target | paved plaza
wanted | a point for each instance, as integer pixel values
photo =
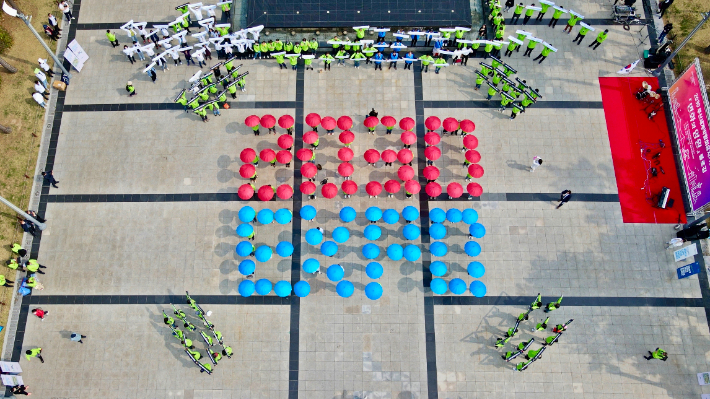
(147, 209)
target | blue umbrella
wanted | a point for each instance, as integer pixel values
(411, 232)
(476, 269)
(438, 286)
(395, 252)
(302, 289)
(437, 215)
(247, 267)
(478, 289)
(390, 216)
(341, 234)
(477, 230)
(282, 288)
(314, 236)
(438, 248)
(437, 231)
(373, 291)
(373, 232)
(246, 288)
(263, 253)
(373, 213)
(345, 289)
(244, 248)
(412, 252)
(284, 248)
(410, 213)
(347, 214)
(265, 216)
(283, 216)
(263, 286)
(308, 212)
(472, 248)
(335, 273)
(374, 270)
(370, 251)
(457, 286)
(454, 215)
(470, 216)
(437, 268)
(311, 265)
(245, 230)
(329, 248)
(246, 214)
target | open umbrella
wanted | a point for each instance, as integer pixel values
(478, 289)
(282, 288)
(454, 215)
(432, 153)
(341, 234)
(405, 156)
(477, 230)
(374, 270)
(457, 286)
(432, 123)
(412, 187)
(329, 190)
(472, 248)
(263, 253)
(432, 138)
(301, 289)
(470, 216)
(474, 189)
(411, 232)
(347, 214)
(246, 214)
(475, 170)
(370, 251)
(389, 156)
(246, 191)
(245, 230)
(284, 157)
(349, 187)
(405, 173)
(304, 154)
(285, 141)
(308, 212)
(372, 232)
(470, 141)
(373, 214)
(476, 269)
(311, 265)
(284, 191)
(328, 123)
(392, 186)
(371, 122)
(412, 253)
(410, 213)
(390, 216)
(252, 120)
(373, 188)
(246, 288)
(263, 286)
(467, 126)
(308, 170)
(267, 155)
(373, 291)
(473, 156)
(437, 231)
(438, 286)
(408, 137)
(308, 187)
(437, 215)
(406, 123)
(395, 252)
(345, 154)
(451, 124)
(284, 249)
(268, 121)
(388, 121)
(335, 273)
(265, 193)
(286, 121)
(283, 216)
(345, 122)
(431, 172)
(345, 289)
(313, 120)
(454, 190)
(437, 268)
(248, 155)
(310, 137)
(438, 248)
(346, 169)
(244, 248)
(247, 170)
(265, 216)
(433, 189)
(346, 137)
(314, 237)
(329, 248)
(372, 156)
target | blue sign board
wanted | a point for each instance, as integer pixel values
(688, 270)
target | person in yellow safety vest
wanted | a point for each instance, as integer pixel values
(226, 11)
(232, 90)
(242, 84)
(601, 37)
(308, 62)
(111, 38)
(183, 101)
(294, 62)
(426, 59)
(202, 113)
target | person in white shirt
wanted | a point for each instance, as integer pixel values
(198, 55)
(53, 21)
(176, 56)
(40, 100)
(43, 64)
(40, 89)
(129, 53)
(64, 7)
(537, 161)
(674, 242)
(42, 77)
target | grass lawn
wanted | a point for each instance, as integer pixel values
(685, 15)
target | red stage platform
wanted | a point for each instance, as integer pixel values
(634, 141)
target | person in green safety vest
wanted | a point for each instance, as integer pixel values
(204, 95)
(207, 366)
(308, 63)
(288, 47)
(34, 267)
(498, 47)
(242, 83)
(232, 88)
(214, 107)
(601, 37)
(549, 340)
(542, 12)
(4, 282)
(194, 102)
(545, 52)
(227, 351)
(537, 303)
(297, 48)
(35, 352)
(500, 32)
(202, 113)
(294, 62)
(183, 9)
(222, 97)
(512, 46)
(492, 91)
(189, 326)
(340, 57)
(497, 20)
(531, 46)
(182, 100)
(555, 18)
(130, 89)
(517, 13)
(528, 14)
(212, 88)
(500, 342)
(526, 102)
(335, 46)
(327, 59)
(271, 47)
(553, 305)
(516, 111)
(459, 35)
(264, 49)
(532, 353)
(659, 354)
(347, 46)
(573, 19)
(581, 34)
(186, 23)
(355, 57)
(278, 45)
(488, 49)
(479, 81)
(177, 333)
(314, 46)
(226, 11)
(360, 33)
(524, 344)
(280, 60)
(497, 77)
(447, 38)
(369, 51)
(111, 38)
(542, 326)
(439, 61)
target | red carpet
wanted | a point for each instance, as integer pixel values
(630, 130)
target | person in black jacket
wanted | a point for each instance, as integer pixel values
(663, 6)
(565, 196)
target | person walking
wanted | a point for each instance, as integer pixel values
(39, 312)
(35, 352)
(20, 390)
(528, 14)
(151, 72)
(542, 326)
(565, 196)
(659, 354)
(111, 38)
(601, 37)
(663, 7)
(64, 7)
(581, 34)
(536, 162)
(130, 89)
(76, 337)
(553, 305)
(517, 13)
(49, 178)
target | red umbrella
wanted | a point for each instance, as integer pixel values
(284, 191)
(349, 187)
(432, 123)
(432, 138)
(371, 122)
(392, 186)
(304, 154)
(451, 124)
(405, 155)
(252, 120)
(346, 137)
(313, 120)
(310, 137)
(345, 154)
(406, 124)
(266, 193)
(454, 190)
(345, 122)
(247, 170)
(346, 169)
(284, 157)
(373, 188)
(388, 121)
(308, 187)
(246, 191)
(473, 156)
(286, 121)
(405, 173)
(389, 156)
(268, 121)
(412, 186)
(248, 155)
(408, 137)
(470, 141)
(475, 170)
(372, 155)
(328, 123)
(267, 155)
(308, 170)
(432, 153)
(329, 190)
(285, 141)
(431, 172)
(467, 126)
(474, 189)
(433, 189)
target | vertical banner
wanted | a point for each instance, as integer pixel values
(689, 106)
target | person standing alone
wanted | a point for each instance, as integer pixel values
(536, 162)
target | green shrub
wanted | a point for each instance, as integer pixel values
(5, 40)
